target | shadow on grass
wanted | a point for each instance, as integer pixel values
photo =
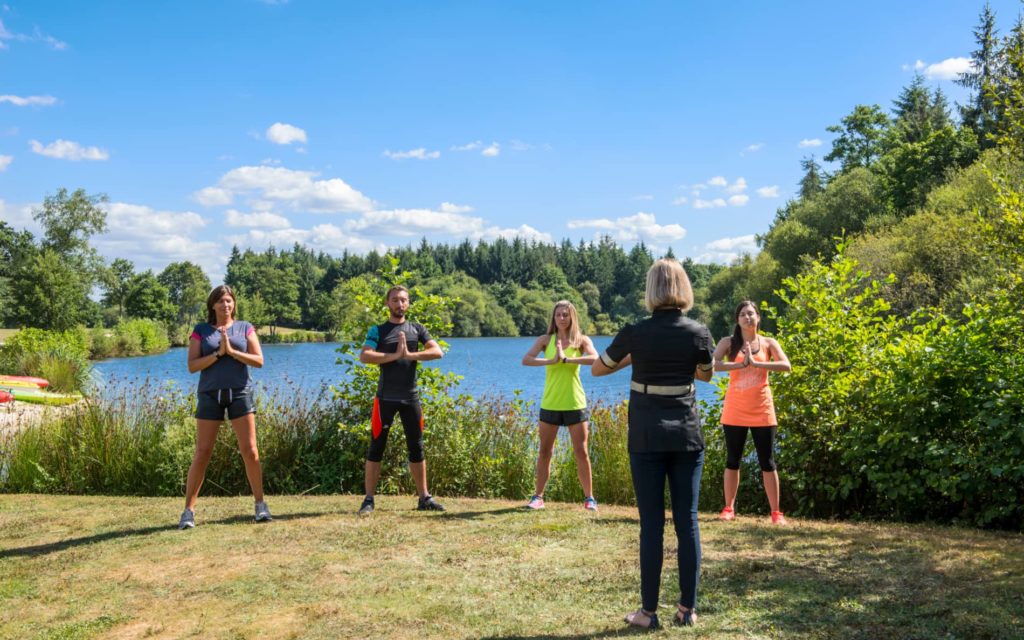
(54, 547)
(473, 515)
(619, 632)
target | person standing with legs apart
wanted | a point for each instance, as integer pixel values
(564, 402)
(222, 349)
(748, 404)
(394, 346)
(668, 351)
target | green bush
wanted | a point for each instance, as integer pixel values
(59, 356)
(135, 337)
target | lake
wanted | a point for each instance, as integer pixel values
(489, 366)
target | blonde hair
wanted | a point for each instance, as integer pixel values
(668, 286)
(575, 335)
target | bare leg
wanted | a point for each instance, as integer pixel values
(418, 470)
(548, 433)
(732, 485)
(372, 476)
(771, 488)
(206, 437)
(245, 431)
(578, 434)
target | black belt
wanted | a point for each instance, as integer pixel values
(662, 389)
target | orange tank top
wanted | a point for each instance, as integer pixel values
(748, 399)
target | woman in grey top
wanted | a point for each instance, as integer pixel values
(222, 349)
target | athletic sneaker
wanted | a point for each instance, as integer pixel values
(188, 519)
(778, 518)
(589, 503)
(427, 503)
(263, 512)
(367, 506)
(536, 502)
(727, 514)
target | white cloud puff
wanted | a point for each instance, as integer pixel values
(472, 146)
(414, 222)
(639, 227)
(524, 231)
(809, 142)
(737, 187)
(725, 250)
(752, 148)
(948, 69)
(419, 154)
(5, 161)
(717, 181)
(298, 190)
(769, 192)
(213, 197)
(681, 200)
(281, 133)
(263, 219)
(739, 200)
(492, 150)
(709, 204)
(68, 150)
(152, 238)
(29, 101)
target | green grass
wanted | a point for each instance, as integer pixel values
(90, 567)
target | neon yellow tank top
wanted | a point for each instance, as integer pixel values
(563, 390)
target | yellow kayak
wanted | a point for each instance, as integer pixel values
(38, 396)
(24, 381)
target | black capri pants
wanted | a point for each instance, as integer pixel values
(380, 425)
(764, 442)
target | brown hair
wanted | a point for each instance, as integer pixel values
(397, 287)
(737, 333)
(214, 297)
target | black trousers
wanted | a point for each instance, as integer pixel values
(682, 469)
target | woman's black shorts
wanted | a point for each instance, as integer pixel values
(564, 418)
(212, 405)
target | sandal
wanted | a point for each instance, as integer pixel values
(641, 618)
(685, 617)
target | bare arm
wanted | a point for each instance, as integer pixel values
(432, 351)
(724, 345)
(779, 361)
(531, 359)
(197, 362)
(370, 356)
(589, 353)
(253, 354)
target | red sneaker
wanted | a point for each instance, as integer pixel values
(778, 518)
(727, 514)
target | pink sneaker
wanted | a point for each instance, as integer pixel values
(536, 502)
(778, 518)
(727, 514)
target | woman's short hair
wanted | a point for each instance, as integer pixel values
(215, 295)
(668, 286)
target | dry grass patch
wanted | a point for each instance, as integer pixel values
(94, 567)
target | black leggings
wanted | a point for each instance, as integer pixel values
(764, 442)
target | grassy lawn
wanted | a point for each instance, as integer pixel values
(97, 567)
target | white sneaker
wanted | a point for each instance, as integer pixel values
(263, 512)
(188, 519)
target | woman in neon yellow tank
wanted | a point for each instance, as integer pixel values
(564, 349)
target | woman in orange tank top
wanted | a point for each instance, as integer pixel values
(748, 404)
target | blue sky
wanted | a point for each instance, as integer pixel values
(366, 125)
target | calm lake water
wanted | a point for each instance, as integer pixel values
(489, 366)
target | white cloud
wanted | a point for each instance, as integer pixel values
(5, 161)
(524, 231)
(260, 219)
(809, 142)
(708, 204)
(267, 187)
(917, 66)
(948, 69)
(37, 36)
(725, 250)
(34, 101)
(492, 150)
(19, 216)
(281, 133)
(472, 146)
(644, 196)
(717, 181)
(213, 197)
(737, 187)
(680, 200)
(414, 222)
(68, 150)
(739, 201)
(152, 238)
(769, 192)
(639, 227)
(448, 207)
(419, 154)
(752, 148)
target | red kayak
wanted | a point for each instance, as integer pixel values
(25, 381)
(5, 397)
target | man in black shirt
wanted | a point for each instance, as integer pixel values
(394, 346)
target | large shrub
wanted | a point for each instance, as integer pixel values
(59, 356)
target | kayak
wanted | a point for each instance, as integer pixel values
(38, 396)
(5, 397)
(24, 381)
